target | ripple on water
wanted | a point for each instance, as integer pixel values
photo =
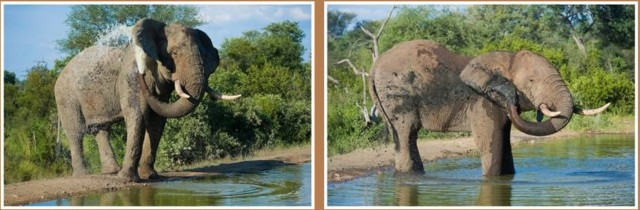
(596, 170)
(281, 186)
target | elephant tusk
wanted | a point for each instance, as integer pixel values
(179, 90)
(219, 95)
(545, 110)
(590, 111)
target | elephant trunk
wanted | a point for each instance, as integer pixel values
(194, 85)
(559, 101)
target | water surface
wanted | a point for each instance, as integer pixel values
(586, 171)
(288, 185)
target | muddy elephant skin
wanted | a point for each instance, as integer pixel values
(422, 85)
(103, 85)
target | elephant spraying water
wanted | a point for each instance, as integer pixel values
(422, 85)
(104, 84)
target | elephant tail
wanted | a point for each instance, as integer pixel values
(388, 127)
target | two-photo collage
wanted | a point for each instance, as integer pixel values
(319, 105)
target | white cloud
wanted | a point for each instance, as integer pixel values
(299, 14)
(230, 14)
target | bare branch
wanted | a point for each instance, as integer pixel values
(365, 114)
(375, 53)
(385, 22)
(333, 80)
(374, 38)
(355, 70)
(367, 32)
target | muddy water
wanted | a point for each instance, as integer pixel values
(586, 171)
(281, 186)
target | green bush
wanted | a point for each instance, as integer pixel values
(218, 129)
(600, 87)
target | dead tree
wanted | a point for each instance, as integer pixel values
(370, 114)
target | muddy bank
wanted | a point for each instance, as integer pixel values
(42, 190)
(366, 161)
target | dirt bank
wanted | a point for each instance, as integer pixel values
(366, 161)
(42, 190)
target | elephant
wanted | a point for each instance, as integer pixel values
(103, 85)
(420, 84)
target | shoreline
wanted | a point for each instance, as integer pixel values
(341, 168)
(24, 193)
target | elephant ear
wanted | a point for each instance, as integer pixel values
(210, 53)
(147, 36)
(489, 76)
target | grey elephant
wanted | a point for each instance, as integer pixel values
(103, 85)
(422, 85)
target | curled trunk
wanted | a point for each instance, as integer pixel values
(561, 101)
(195, 87)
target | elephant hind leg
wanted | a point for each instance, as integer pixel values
(405, 134)
(76, 147)
(155, 127)
(107, 157)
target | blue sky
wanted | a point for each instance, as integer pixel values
(379, 11)
(364, 12)
(31, 31)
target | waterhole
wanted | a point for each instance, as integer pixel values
(597, 170)
(288, 185)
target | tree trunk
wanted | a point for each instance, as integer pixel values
(580, 44)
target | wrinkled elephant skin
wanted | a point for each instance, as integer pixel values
(100, 86)
(422, 85)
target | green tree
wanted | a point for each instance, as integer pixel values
(615, 24)
(31, 123)
(87, 22)
(338, 22)
(269, 61)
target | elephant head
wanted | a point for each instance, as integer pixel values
(524, 81)
(183, 55)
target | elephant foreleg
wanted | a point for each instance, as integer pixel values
(133, 149)
(155, 127)
(107, 157)
(491, 130)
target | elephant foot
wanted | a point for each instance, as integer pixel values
(110, 169)
(148, 173)
(408, 174)
(80, 172)
(129, 175)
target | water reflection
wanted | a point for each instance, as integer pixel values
(406, 194)
(495, 191)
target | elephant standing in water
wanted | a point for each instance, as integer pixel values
(420, 84)
(103, 85)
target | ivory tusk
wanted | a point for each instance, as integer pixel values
(545, 110)
(219, 95)
(591, 111)
(179, 90)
